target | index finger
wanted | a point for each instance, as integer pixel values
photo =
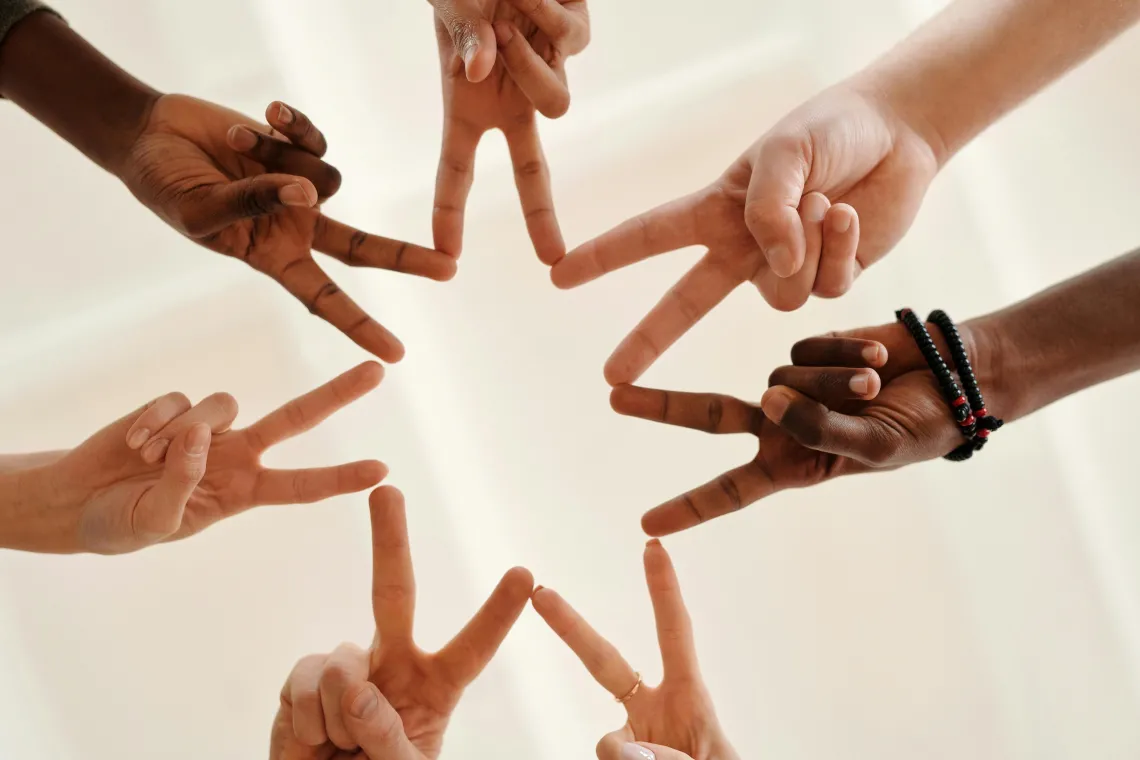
(695, 295)
(674, 627)
(311, 286)
(393, 580)
(600, 657)
(359, 249)
(661, 230)
(558, 23)
(731, 492)
(313, 408)
(532, 178)
(709, 412)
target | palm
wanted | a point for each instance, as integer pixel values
(677, 714)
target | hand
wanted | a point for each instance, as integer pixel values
(194, 470)
(252, 192)
(394, 701)
(483, 90)
(826, 192)
(670, 721)
(824, 416)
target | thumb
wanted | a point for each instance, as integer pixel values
(158, 514)
(375, 725)
(472, 35)
(229, 203)
(780, 169)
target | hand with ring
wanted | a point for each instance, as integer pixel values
(671, 721)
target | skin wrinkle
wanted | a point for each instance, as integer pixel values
(329, 289)
(354, 245)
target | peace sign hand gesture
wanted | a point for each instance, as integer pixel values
(252, 191)
(488, 86)
(394, 701)
(673, 720)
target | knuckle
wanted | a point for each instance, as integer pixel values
(529, 169)
(225, 403)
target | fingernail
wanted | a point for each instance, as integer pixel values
(138, 438)
(775, 406)
(284, 115)
(154, 450)
(633, 751)
(842, 223)
(537, 588)
(364, 704)
(860, 384)
(242, 138)
(780, 259)
(504, 33)
(815, 207)
(296, 195)
(198, 439)
(875, 355)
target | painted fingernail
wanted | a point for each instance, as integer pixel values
(242, 138)
(364, 704)
(841, 223)
(197, 440)
(154, 450)
(780, 259)
(138, 438)
(875, 355)
(775, 406)
(296, 195)
(284, 115)
(860, 384)
(633, 751)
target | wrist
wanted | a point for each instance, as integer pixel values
(34, 513)
(65, 83)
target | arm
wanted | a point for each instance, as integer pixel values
(10, 463)
(1077, 334)
(65, 83)
(979, 59)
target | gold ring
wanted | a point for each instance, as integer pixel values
(632, 692)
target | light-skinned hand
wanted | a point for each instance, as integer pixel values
(673, 720)
(394, 701)
(501, 62)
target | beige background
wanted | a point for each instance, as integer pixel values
(886, 617)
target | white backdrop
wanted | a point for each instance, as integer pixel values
(880, 617)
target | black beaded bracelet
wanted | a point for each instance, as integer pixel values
(974, 429)
(986, 423)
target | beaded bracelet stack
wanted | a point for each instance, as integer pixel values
(969, 407)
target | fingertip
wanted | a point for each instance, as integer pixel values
(618, 371)
(876, 355)
(198, 439)
(360, 702)
(775, 403)
(481, 53)
(521, 579)
(371, 473)
(371, 374)
(241, 138)
(385, 496)
(841, 217)
(562, 274)
(655, 523)
(300, 193)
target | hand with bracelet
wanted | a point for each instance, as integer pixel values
(170, 470)
(237, 187)
(866, 400)
(394, 701)
(503, 86)
(671, 721)
(832, 188)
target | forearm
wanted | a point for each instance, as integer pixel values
(1075, 335)
(10, 463)
(29, 521)
(61, 80)
(979, 59)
